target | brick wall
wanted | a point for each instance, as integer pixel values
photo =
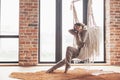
(28, 32)
(115, 32)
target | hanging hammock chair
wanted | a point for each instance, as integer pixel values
(91, 47)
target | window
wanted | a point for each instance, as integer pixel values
(98, 11)
(9, 30)
(56, 19)
(50, 30)
(47, 30)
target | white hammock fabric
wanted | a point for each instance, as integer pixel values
(91, 40)
(91, 44)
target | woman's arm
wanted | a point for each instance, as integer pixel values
(72, 31)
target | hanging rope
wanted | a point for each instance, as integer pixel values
(90, 16)
(75, 17)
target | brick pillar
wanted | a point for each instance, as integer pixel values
(115, 32)
(28, 32)
(107, 30)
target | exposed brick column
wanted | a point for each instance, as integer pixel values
(28, 32)
(115, 32)
(107, 30)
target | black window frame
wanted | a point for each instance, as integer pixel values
(7, 36)
(58, 51)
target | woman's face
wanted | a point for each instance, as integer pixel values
(78, 28)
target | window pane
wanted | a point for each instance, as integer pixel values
(47, 30)
(8, 49)
(98, 11)
(9, 17)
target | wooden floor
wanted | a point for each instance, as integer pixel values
(5, 71)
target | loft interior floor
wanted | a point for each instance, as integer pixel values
(5, 71)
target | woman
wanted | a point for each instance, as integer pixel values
(72, 52)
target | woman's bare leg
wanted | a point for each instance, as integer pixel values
(70, 54)
(59, 64)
